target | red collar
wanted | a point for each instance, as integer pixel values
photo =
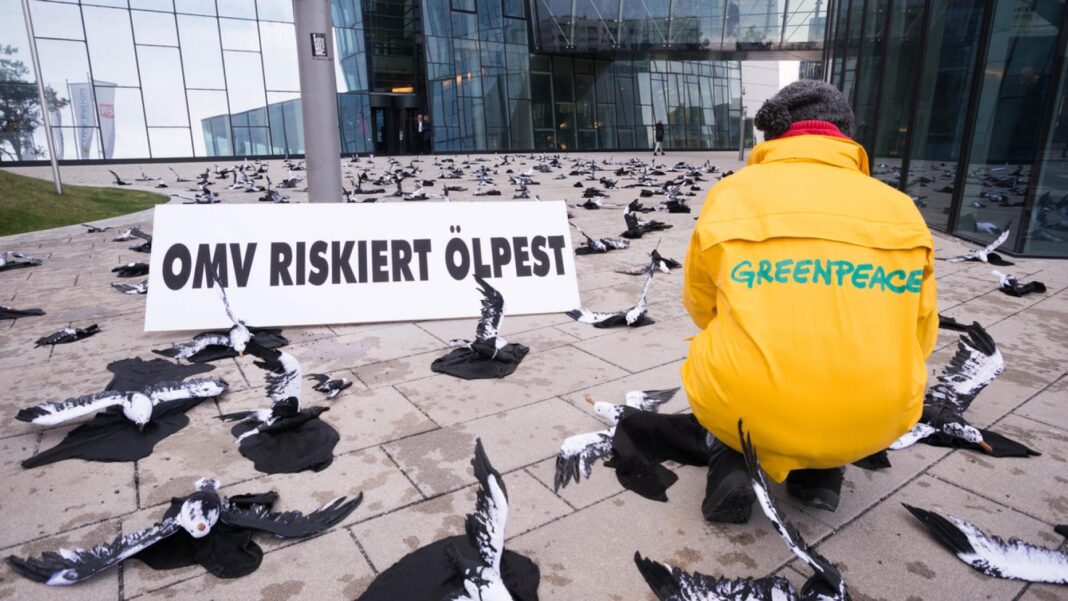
(815, 128)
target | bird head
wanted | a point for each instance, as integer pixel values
(240, 337)
(967, 433)
(606, 412)
(199, 512)
(138, 409)
(634, 315)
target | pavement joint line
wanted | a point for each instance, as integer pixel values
(419, 326)
(404, 472)
(414, 404)
(555, 494)
(991, 500)
(366, 557)
(584, 351)
(137, 484)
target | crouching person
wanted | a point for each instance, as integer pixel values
(813, 285)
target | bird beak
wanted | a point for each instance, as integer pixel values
(986, 447)
(589, 399)
(140, 427)
(201, 527)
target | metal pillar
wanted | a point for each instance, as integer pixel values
(741, 135)
(318, 99)
(45, 117)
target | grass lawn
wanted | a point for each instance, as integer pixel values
(28, 204)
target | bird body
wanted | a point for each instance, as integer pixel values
(331, 387)
(11, 258)
(488, 341)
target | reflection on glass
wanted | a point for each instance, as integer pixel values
(203, 106)
(201, 53)
(126, 130)
(195, 7)
(166, 5)
(902, 57)
(1047, 233)
(161, 84)
(238, 34)
(73, 143)
(169, 142)
(14, 50)
(280, 56)
(54, 20)
(244, 9)
(1007, 130)
(277, 10)
(154, 28)
(63, 62)
(111, 47)
(244, 82)
(21, 126)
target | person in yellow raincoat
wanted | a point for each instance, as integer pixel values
(813, 285)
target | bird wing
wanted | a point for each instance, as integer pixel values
(115, 175)
(290, 524)
(485, 527)
(200, 388)
(645, 290)
(492, 311)
(578, 454)
(185, 350)
(587, 316)
(976, 364)
(137, 233)
(989, 248)
(70, 566)
(916, 434)
(225, 299)
(320, 379)
(670, 583)
(283, 376)
(649, 400)
(1012, 559)
(638, 271)
(789, 533)
(50, 414)
(616, 243)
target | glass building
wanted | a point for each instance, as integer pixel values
(141, 79)
(961, 104)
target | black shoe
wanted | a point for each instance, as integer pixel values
(729, 492)
(818, 488)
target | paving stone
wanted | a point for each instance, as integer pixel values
(1050, 406)
(365, 418)
(1037, 486)
(601, 484)
(388, 538)
(614, 391)
(637, 349)
(448, 400)
(439, 461)
(353, 350)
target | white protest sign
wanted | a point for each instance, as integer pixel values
(287, 265)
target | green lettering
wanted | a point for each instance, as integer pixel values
(822, 268)
(764, 272)
(801, 271)
(860, 275)
(915, 281)
(900, 273)
(879, 277)
(782, 271)
(844, 268)
(742, 274)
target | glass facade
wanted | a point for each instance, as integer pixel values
(138, 79)
(961, 104)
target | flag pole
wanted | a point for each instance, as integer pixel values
(45, 117)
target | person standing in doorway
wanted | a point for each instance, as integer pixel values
(426, 135)
(658, 133)
(420, 125)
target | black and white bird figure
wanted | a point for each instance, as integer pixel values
(1011, 285)
(289, 181)
(67, 335)
(990, 555)
(578, 453)
(331, 387)
(972, 368)
(177, 178)
(11, 259)
(131, 233)
(488, 340)
(118, 180)
(656, 263)
(95, 229)
(482, 579)
(670, 583)
(135, 288)
(131, 270)
(638, 227)
(200, 512)
(599, 245)
(136, 405)
(237, 338)
(634, 317)
(283, 376)
(986, 254)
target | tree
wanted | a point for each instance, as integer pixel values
(20, 108)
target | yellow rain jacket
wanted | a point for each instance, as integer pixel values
(814, 286)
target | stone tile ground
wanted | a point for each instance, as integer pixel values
(407, 436)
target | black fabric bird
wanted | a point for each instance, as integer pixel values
(15, 260)
(635, 317)
(135, 288)
(131, 270)
(975, 365)
(636, 227)
(331, 387)
(656, 262)
(67, 335)
(992, 556)
(13, 313)
(986, 254)
(118, 180)
(489, 355)
(95, 229)
(598, 245)
(191, 524)
(475, 567)
(1010, 285)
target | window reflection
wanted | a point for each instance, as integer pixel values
(161, 84)
(280, 56)
(126, 131)
(55, 20)
(201, 52)
(277, 10)
(166, 5)
(111, 46)
(169, 142)
(210, 119)
(239, 34)
(154, 28)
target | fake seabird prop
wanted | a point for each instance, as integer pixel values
(489, 355)
(672, 584)
(635, 317)
(135, 288)
(975, 365)
(990, 555)
(285, 438)
(67, 335)
(131, 270)
(598, 245)
(118, 432)
(656, 263)
(14, 260)
(13, 313)
(986, 254)
(331, 387)
(638, 227)
(475, 567)
(202, 528)
(1010, 285)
